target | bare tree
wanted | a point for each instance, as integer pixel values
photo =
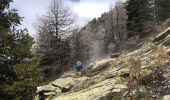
(43, 36)
(117, 24)
(53, 31)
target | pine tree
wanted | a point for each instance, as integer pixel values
(15, 48)
(162, 9)
(139, 14)
(8, 19)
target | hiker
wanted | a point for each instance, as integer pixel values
(78, 65)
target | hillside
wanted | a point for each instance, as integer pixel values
(143, 73)
(93, 41)
(122, 53)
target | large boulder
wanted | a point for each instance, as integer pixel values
(96, 67)
(124, 72)
(166, 97)
(137, 53)
(101, 91)
(59, 86)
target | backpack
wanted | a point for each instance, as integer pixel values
(78, 63)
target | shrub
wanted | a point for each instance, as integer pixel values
(29, 78)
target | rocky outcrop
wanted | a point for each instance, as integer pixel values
(117, 72)
(96, 67)
(100, 91)
(59, 86)
(162, 35)
(166, 97)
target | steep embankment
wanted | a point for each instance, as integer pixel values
(143, 73)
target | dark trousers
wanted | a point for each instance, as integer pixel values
(78, 68)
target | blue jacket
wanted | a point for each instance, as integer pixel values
(78, 63)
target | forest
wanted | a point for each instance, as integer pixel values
(27, 62)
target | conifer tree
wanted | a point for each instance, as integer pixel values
(162, 9)
(8, 19)
(15, 48)
(139, 14)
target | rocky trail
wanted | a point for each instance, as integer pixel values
(143, 74)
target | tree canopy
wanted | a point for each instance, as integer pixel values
(15, 46)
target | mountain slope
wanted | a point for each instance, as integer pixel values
(143, 73)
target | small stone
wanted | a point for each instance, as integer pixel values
(120, 86)
(45, 88)
(125, 93)
(115, 55)
(49, 93)
(124, 72)
(155, 96)
(116, 90)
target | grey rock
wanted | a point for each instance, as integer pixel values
(96, 67)
(114, 73)
(120, 86)
(145, 63)
(49, 93)
(116, 90)
(47, 88)
(124, 72)
(115, 55)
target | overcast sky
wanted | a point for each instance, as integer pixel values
(84, 9)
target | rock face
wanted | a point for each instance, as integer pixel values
(141, 74)
(100, 91)
(59, 86)
(96, 67)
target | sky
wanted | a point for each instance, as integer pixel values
(83, 9)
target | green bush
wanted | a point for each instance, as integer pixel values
(29, 77)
